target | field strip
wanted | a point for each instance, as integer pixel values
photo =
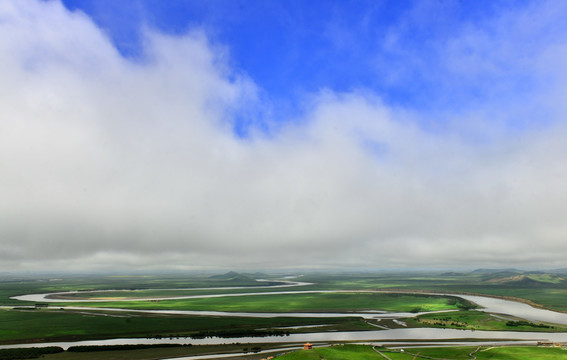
(487, 304)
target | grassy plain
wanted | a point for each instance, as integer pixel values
(21, 285)
(172, 352)
(482, 353)
(478, 320)
(521, 353)
(69, 325)
(360, 352)
(336, 352)
(548, 290)
(316, 302)
(543, 289)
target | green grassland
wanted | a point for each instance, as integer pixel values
(453, 353)
(482, 353)
(360, 352)
(156, 353)
(477, 320)
(336, 352)
(13, 286)
(151, 293)
(521, 353)
(145, 354)
(543, 289)
(316, 302)
(546, 289)
(68, 325)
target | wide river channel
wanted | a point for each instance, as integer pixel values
(507, 308)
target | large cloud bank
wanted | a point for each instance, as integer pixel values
(108, 163)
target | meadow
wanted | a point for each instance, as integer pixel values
(156, 352)
(328, 352)
(546, 290)
(22, 326)
(21, 322)
(366, 352)
(477, 320)
(316, 302)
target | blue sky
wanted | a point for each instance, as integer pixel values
(395, 49)
(180, 135)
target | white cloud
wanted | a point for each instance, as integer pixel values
(108, 163)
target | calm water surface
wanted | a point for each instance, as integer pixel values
(370, 336)
(488, 304)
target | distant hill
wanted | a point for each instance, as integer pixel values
(227, 276)
(234, 278)
(558, 271)
(529, 279)
(492, 271)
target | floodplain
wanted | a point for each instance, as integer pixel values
(226, 306)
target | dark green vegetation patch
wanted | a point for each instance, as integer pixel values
(477, 320)
(316, 302)
(28, 353)
(69, 325)
(91, 348)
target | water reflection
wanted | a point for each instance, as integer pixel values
(488, 304)
(517, 309)
(415, 334)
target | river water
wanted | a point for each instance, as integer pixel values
(339, 336)
(487, 304)
(516, 309)
(491, 305)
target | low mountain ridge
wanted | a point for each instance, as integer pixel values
(234, 278)
(530, 279)
(226, 276)
(493, 271)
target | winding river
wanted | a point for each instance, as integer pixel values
(378, 336)
(488, 304)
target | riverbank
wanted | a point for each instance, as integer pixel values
(142, 322)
